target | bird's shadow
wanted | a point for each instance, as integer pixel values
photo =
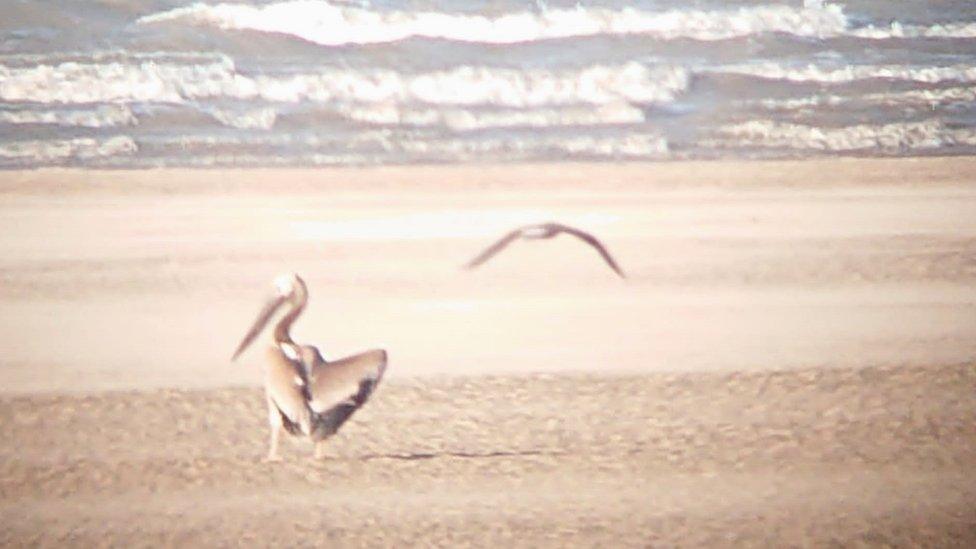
(418, 456)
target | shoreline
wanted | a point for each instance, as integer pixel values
(947, 170)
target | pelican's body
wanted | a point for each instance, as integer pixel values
(544, 231)
(306, 394)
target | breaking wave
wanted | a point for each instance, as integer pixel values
(385, 142)
(250, 119)
(373, 140)
(645, 146)
(895, 137)
(465, 120)
(918, 98)
(851, 73)
(929, 98)
(898, 30)
(129, 80)
(102, 116)
(157, 81)
(14, 60)
(328, 24)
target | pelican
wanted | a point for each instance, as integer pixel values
(540, 232)
(308, 395)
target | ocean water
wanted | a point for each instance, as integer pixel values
(144, 83)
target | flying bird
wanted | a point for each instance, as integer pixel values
(306, 394)
(544, 231)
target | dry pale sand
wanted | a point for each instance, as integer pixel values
(792, 360)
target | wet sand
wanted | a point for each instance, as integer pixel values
(790, 361)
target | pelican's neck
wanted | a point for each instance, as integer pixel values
(282, 331)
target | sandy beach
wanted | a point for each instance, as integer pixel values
(791, 360)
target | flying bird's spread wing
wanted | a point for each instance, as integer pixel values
(493, 249)
(592, 241)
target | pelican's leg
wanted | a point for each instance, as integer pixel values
(320, 449)
(274, 421)
(273, 445)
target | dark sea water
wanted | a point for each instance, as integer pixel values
(139, 83)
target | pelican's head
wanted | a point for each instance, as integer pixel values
(288, 288)
(539, 232)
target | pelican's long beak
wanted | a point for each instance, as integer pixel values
(260, 322)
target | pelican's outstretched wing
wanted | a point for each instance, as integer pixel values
(338, 388)
(494, 249)
(592, 241)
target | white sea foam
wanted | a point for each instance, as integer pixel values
(797, 103)
(247, 159)
(898, 30)
(44, 151)
(467, 85)
(101, 116)
(109, 56)
(930, 98)
(635, 145)
(627, 146)
(374, 140)
(151, 81)
(851, 73)
(116, 81)
(465, 119)
(260, 119)
(895, 137)
(386, 142)
(330, 24)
